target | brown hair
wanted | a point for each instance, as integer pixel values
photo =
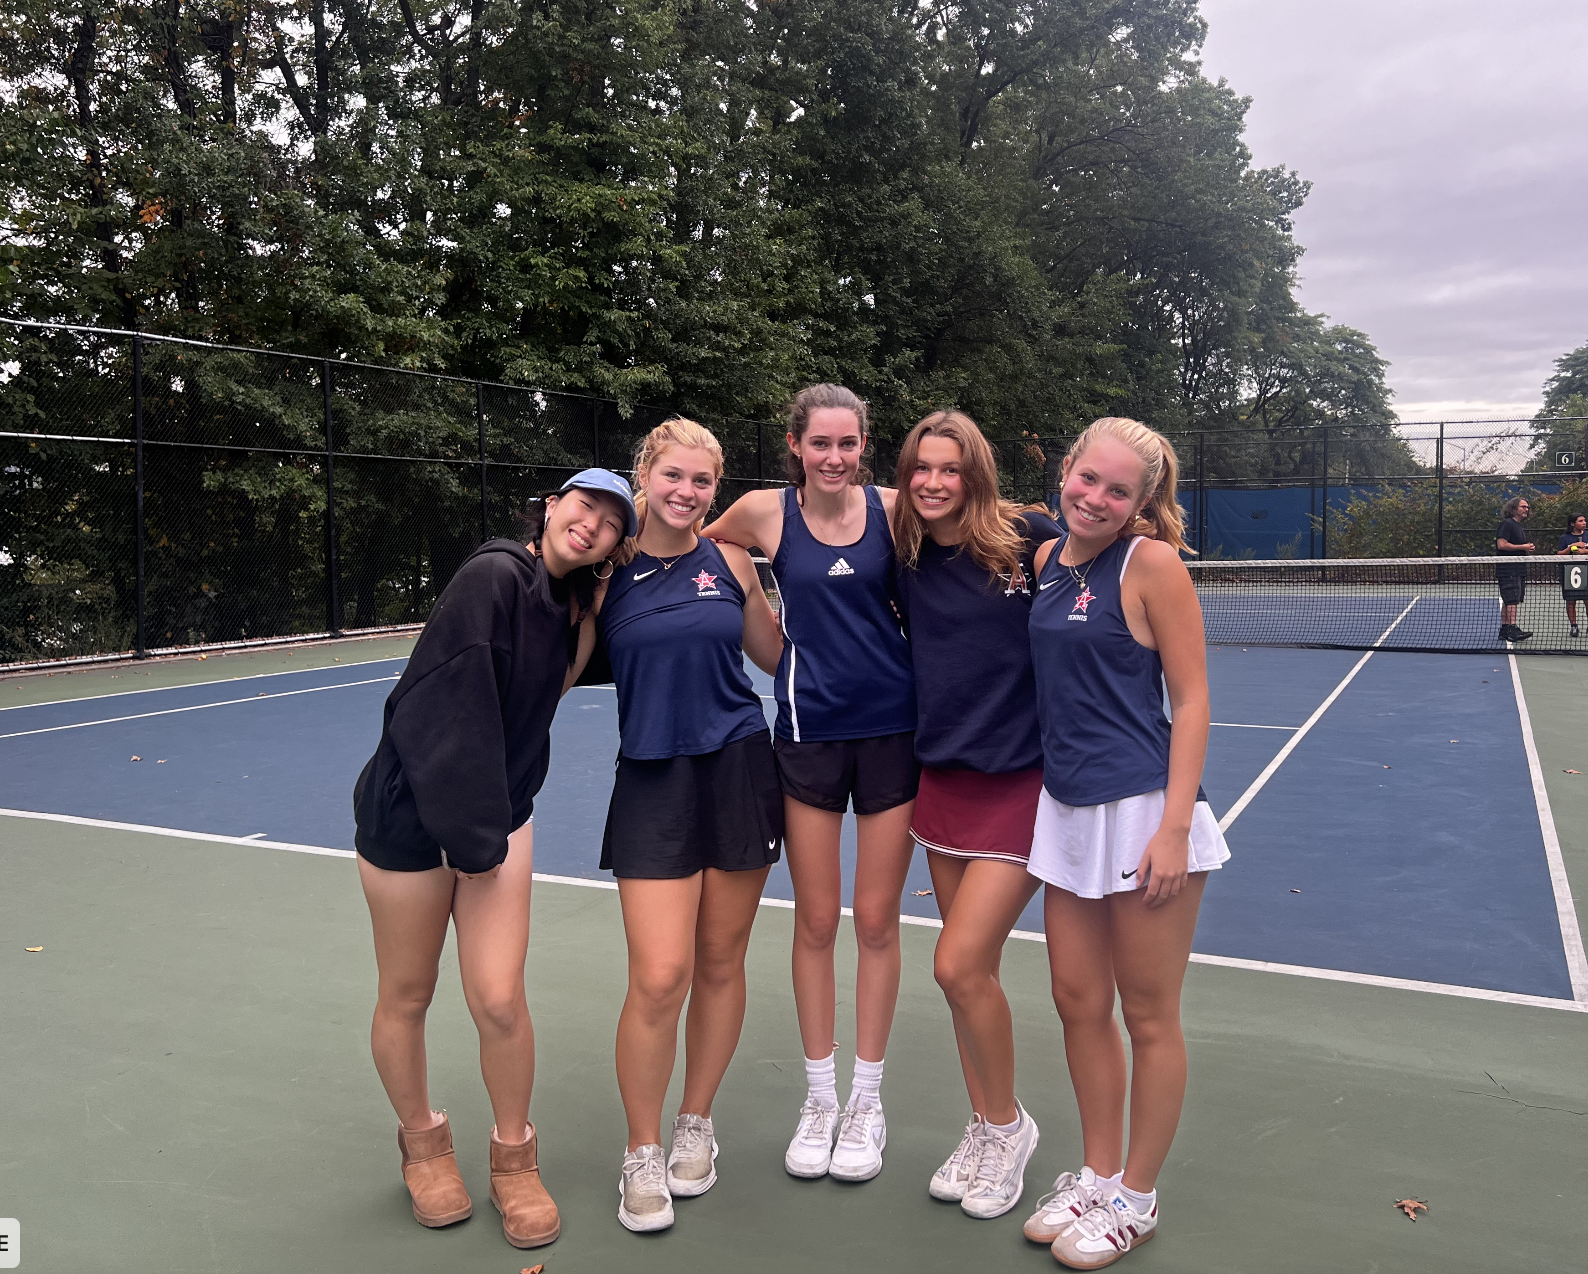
(1160, 515)
(814, 398)
(987, 521)
(1513, 506)
(675, 431)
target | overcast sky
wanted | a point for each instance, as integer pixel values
(1447, 146)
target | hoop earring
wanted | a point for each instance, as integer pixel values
(611, 568)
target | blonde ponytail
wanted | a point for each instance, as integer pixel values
(1160, 515)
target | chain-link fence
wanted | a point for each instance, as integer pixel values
(161, 493)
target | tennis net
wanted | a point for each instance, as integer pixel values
(1450, 604)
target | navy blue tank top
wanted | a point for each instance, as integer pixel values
(675, 636)
(845, 671)
(1099, 690)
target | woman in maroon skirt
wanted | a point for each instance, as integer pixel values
(965, 580)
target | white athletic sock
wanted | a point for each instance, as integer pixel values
(867, 1088)
(1141, 1202)
(1007, 1129)
(821, 1077)
(1105, 1184)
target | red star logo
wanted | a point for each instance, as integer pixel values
(704, 581)
(1083, 600)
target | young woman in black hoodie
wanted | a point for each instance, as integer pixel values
(443, 813)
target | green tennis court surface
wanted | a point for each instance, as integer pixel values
(189, 1086)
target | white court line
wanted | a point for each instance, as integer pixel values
(1565, 908)
(1023, 935)
(1241, 725)
(219, 681)
(1261, 780)
(195, 707)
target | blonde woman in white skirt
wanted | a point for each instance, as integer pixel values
(1124, 837)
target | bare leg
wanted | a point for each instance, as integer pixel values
(659, 919)
(1151, 950)
(947, 872)
(811, 838)
(729, 901)
(1080, 962)
(1508, 614)
(881, 864)
(409, 912)
(491, 914)
(984, 908)
(1571, 613)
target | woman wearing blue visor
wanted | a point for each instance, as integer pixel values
(443, 811)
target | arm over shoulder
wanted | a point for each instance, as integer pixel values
(753, 521)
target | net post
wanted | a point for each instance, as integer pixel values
(333, 598)
(1326, 492)
(140, 582)
(485, 503)
(1439, 493)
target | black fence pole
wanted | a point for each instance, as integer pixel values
(333, 590)
(1439, 497)
(139, 579)
(760, 458)
(1202, 494)
(485, 486)
(595, 434)
(1326, 491)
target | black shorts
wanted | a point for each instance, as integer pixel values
(672, 818)
(1513, 584)
(878, 773)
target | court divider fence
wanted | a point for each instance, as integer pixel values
(163, 493)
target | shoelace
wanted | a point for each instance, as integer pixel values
(855, 1127)
(1102, 1219)
(963, 1160)
(689, 1137)
(647, 1172)
(815, 1130)
(996, 1157)
(1066, 1183)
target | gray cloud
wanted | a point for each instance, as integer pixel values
(1447, 144)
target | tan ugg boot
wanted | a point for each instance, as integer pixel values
(529, 1217)
(430, 1170)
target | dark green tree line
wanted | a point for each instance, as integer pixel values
(1034, 211)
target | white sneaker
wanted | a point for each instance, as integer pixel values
(1104, 1233)
(811, 1151)
(950, 1182)
(1071, 1195)
(643, 1201)
(692, 1166)
(999, 1177)
(862, 1133)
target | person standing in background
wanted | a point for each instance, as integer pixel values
(1512, 577)
(1573, 544)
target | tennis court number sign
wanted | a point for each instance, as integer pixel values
(10, 1243)
(1574, 581)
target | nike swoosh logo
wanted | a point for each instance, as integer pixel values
(1040, 587)
(652, 571)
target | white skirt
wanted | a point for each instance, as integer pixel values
(1094, 850)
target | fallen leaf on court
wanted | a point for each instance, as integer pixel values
(33, 948)
(160, 762)
(203, 656)
(923, 893)
(134, 758)
(1388, 767)
(1455, 740)
(1410, 1206)
(533, 1269)
(1295, 891)
(1571, 771)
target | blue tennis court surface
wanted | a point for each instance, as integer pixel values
(1400, 838)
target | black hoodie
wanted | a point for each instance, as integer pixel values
(467, 733)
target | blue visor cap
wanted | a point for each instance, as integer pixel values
(609, 483)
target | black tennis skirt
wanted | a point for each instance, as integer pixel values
(672, 818)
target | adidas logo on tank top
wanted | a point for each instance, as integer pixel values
(841, 567)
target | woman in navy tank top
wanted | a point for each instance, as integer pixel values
(845, 733)
(1124, 838)
(966, 580)
(696, 817)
